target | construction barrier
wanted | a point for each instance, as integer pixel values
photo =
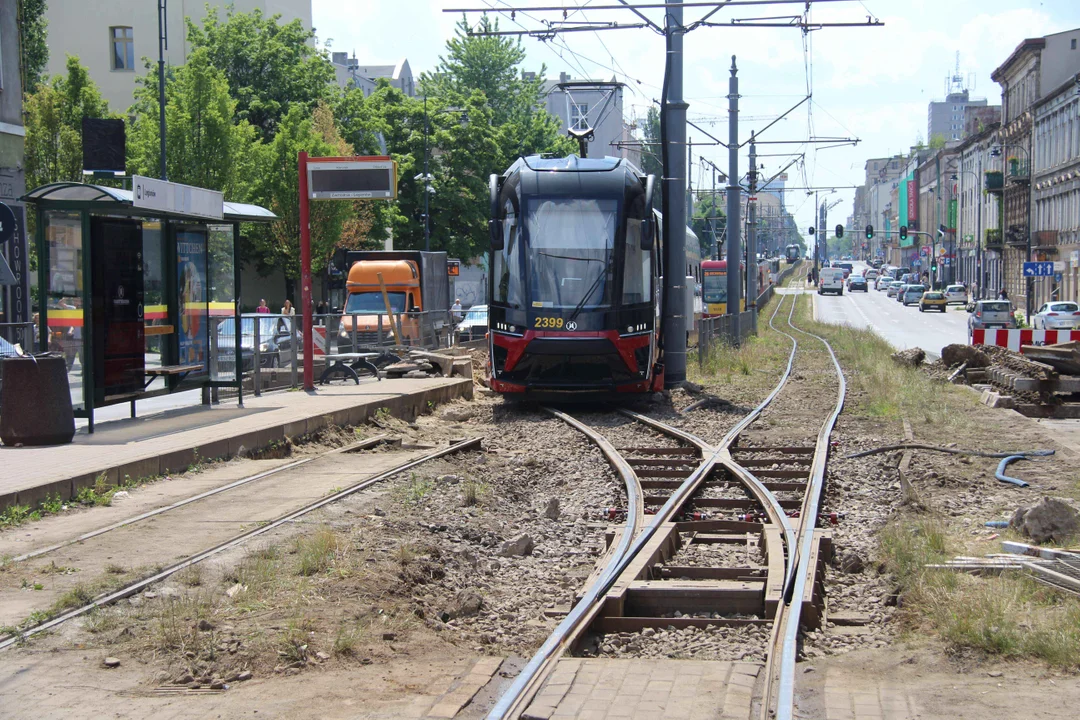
(318, 335)
(1013, 339)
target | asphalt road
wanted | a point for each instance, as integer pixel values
(902, 327)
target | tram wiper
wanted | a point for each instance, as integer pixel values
(588, 294)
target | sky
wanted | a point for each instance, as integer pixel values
(870, 83)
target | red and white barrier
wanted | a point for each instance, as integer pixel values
(319, 336)
(1013, 339)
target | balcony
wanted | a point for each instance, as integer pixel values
(1019, 171)
(993, 240)
(994, 181)
(1017, 235)
(1045, 240)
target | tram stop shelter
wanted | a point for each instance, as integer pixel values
(141, 297)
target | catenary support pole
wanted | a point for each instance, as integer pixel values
(712, 223)
(980, 234)
(163, 43)
(675, 319)
(305, 274)
(751, 237)
(817, 233)
(734, 224)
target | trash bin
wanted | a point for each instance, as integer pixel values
(35, 401)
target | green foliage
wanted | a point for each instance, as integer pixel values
(54, 117)
(269, 66)
(206, 146)
(32, 43)
(651, 158)
(706, 207)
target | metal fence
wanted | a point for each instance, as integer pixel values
(718, 329)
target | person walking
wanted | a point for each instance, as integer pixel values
(455, 311)
(262, 307)
(288, 308)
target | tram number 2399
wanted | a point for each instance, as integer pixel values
(549, 322)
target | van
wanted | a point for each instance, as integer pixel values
(831, 280)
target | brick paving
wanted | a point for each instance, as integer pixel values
(848, 699)
(151, 446)
(595, 689)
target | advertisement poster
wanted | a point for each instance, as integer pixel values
(191, 287)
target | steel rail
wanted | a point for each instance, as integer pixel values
(366, 443)
(137, 586)
(785, 700)
(520, 692)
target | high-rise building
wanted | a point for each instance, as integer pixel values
(945, 118)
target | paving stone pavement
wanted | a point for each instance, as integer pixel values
(866, 701)
(602, 689)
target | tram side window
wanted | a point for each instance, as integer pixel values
(637, 266)
(506, 263)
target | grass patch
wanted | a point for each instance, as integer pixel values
(414, 491)
(1009, 615)
(318, 552)
(473, 492)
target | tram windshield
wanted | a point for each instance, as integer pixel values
(714, 286)
(570, 243)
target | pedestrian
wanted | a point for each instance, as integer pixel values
(262, 307)
(288, 308)
(455, 310)
(1002, 295)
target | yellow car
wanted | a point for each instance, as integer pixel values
(932, 300)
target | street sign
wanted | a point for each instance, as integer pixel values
(1038, 269)
(352, 178)
(151, 194)
(941, 252)
(924, 250)
(1059, 266)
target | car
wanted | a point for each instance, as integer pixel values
(933, 300)
(1057, 316)
(831, 280)
(910, 278)
(988, 314)
(857, 282)
(870, 274)
(474, 325)
(847, 267)
(893, 288)
(275, 342)
(956, 294)
(900, 292)
(911, 294)
(883, 282)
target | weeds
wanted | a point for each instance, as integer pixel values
(316, 553)
(413, 492)
(472, 492)
(192, 575)
(345, 641)
(382, 415)
(293, 642)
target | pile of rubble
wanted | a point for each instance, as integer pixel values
(416, 363)
(1037, 381)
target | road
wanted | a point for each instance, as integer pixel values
(902, 327)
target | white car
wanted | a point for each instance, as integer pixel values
(870, 274)
(956, 294)
(1057, 316)
(883, 282)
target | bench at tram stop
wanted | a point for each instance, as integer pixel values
(346, 364)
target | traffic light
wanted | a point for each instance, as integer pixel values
(941, 231)
(933, 265)
(903, 232)
(869, 232)
(811, 229)
(839, 231)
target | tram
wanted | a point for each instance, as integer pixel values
(714, 287)
(574, 278)
(791, 252)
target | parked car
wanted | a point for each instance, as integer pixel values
(956, 294)
(933, 300)
(883, 282)
(474, 325)
(894, 288)
(912, 294)
(857, 282)
(1057, 316)
(986, 314)
(275, 342)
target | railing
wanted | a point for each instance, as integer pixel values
(1046, 238)
(1019, 170)
(994, 180)
(993, 238)
(718, 328)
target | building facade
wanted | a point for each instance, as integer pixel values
(14, 299)
(596, 104)
(979, 220)
(111, 39)
(945, 118)
(1056, 190)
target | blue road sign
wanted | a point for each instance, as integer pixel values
(1039, 269)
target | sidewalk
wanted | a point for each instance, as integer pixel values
(173, 440)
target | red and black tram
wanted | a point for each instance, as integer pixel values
(574, 278)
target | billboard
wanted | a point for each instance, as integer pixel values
(358, 178)
(191, 286)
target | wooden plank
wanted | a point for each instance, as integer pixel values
(719, 526)
(765, 473)
(657, 597)
(772, 538)
(662, 546)
(637, 624)
(660, 484)
(648, 472)
(695, 572)
(765, 462)
(659, 462)
(722, 539)
(790, 450)
(151, 330)
(727, 503)
(173, 369)
(661, 451)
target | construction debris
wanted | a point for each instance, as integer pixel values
(1049, 519)
(1057, 568)
(956, 354)
(912, 357)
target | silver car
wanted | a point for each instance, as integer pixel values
(1057, 316)
(894, 288)
(911, 294)
(987, 314)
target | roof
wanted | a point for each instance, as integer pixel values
(82, 192)
(570, 163)
(1024, 46)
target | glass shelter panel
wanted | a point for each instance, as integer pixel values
(64, 296)
(223, 302)
(191, 285)
(156, 309)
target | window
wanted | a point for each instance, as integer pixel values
(579, 116)
(1072, 44)
(506, 263)
(123, 48)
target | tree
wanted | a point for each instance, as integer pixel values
(276, 186)
(651, 159)
(707, 212)
(54, 115)
(205, 145)
(34, 55)
(269, 66)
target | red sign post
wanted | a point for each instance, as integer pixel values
(305, 275)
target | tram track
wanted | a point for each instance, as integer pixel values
(136, 586)
(685, 488)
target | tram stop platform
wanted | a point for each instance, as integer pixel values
(176, 439)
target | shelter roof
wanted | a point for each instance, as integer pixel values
(62, 192)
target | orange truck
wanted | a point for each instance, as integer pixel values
(418, 287)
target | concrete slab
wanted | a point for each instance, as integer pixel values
(173, 440)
